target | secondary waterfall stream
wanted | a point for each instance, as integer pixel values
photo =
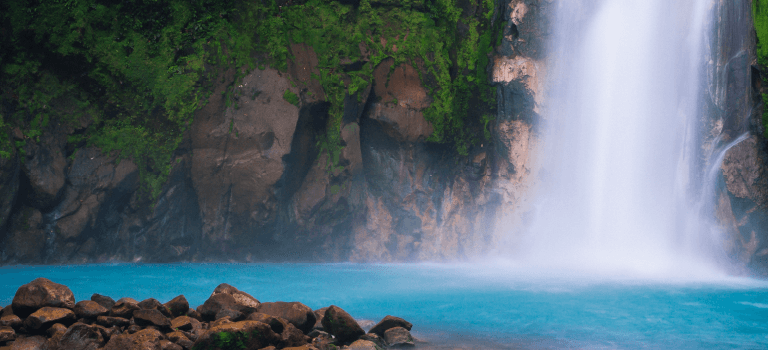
(621, 160)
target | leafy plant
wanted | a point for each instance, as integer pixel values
(291, 97)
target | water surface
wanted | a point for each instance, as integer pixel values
(469, 306)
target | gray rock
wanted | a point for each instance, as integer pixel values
(398, 337)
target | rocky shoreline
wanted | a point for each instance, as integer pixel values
(44, 316)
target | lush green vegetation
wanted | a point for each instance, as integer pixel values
(760, 16)
(138, 69)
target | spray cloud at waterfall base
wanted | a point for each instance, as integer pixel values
(623, 180)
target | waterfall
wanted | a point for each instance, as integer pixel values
(621, 152)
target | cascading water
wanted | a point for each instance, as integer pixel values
(621, 138)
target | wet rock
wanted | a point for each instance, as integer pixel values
(29, 343)
(296, 313)
(89, 309)
(363, 345)
(45, 167)
(9, 187)
(254, 335)
(109, 321)
(151, 317)
(81, 336)
(178, 306)
(147, 339)
(227, 297)
(124, 308)
(10, 320)
(341, 325)
(154, 304)
(398, 337)
(40, 293)
(47, 316)
(237, 159)
(7, 334)
(389, 322)
(103, 300)
(25, 240)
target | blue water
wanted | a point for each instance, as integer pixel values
(461, 305)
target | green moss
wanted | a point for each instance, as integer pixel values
(760, 17)
(291, 97)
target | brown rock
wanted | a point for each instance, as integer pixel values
(341, 325)
(361, 344)
(29, 343)
(296, 313)
(154, 304)
(219, 322)
(194, 314)
(10, 320)
(227, 297)
(176, 336)
(303, 347)
(231, 314)
(376, 339)
(25, 240)
(319, 314)
(401, 100)
(89, 309)
(254, 334)
(81, 336)
(134, 328)
(235, 172)
(103, 300)
(151, 317)
(178, 306)
(7, 334)
(56, 328)
(146, 339)
(109, 321)
(292, 336)
(40, 293)
(186, 323)
(398, 337)
(390, 322)
(124, 308)
(47, 316)
(276, 324)
(168, 345)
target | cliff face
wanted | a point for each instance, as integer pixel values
(741, 203)
(252, 182)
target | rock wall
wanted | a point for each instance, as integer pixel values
(741, 204)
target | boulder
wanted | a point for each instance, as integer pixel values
(7, 334)
(376, 339)
(232, 314)
(341, 325)
(81, 336)
(109, 321)
(146, 339)
(361, 344)
(292, 336)
(227, 297)
(275, 323)
(319, 314)
(389, 322)
(56, 328)
(29, 343)
(154, 304)
(151, 317)
(168, 345)
(103, 300)
(47, 316)
(296, 313)
(398, 337)
(40, 293)
(124, 308)
(253, 334)
(89, 309)
(178, 306)
(10, 320)
(186, 323)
